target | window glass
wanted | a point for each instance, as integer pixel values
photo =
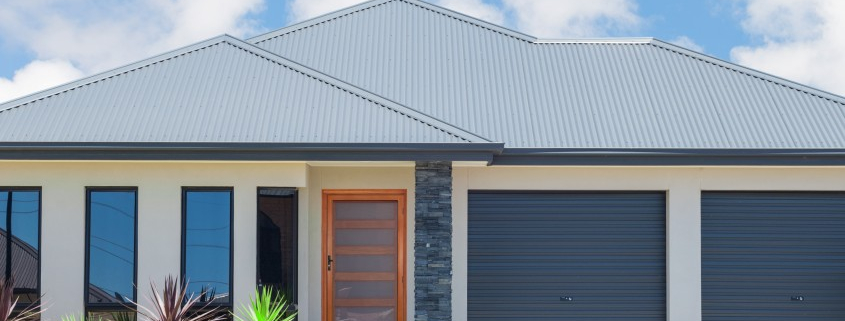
(207, 244)
(111, 247)
(277, 234)
(4, 238)
(19, 251)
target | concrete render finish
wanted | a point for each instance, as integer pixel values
(159, 201)
(159, 218)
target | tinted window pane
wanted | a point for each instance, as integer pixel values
(4, 257)
(111, 247)
(25, 244)
(207, 242)
(25, 218)
(277, 240)
(19, 213)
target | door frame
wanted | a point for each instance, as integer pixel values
(327, 238)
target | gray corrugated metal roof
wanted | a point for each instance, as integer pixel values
(220, 90)
(531, 93)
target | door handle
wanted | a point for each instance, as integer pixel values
(329, 262)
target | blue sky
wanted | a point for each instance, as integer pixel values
(49, 42)
(713, 24)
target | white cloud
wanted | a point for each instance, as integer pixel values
(475, 8)
(38, 75)
(688, 43)
(542, 18)
(95, 36)
(802, 40)
(306, 9)
(574, 18)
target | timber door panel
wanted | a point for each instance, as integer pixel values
(364, 250)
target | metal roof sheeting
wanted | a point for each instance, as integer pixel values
(220, 90)
(531, 93)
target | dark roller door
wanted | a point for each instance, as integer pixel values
(773, 256)
(531, 253)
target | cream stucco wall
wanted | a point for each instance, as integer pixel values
(398, 176)
(683, 187)
(159, 185)
(159, 217)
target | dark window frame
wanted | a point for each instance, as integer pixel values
(10, 190)
(107, 307)
(294, 299)
(231, 190)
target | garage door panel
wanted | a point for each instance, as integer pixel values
(762, 251)
(604, 250)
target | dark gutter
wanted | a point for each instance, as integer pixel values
(669, 157)
(493, 153)
(250, 151)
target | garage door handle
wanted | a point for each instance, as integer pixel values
(797, 298)
(567, 299)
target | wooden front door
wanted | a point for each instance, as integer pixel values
(364, 255)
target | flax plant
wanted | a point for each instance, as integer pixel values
(8, 302)
(173, 304)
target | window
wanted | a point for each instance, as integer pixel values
(207, 243)
(111, 249)
(20, 221)
(277, 234)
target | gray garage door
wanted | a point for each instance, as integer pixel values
(773, 256)
(567, 256)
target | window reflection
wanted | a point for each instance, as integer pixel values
(111, 247)
(207, 244)
(19, 250)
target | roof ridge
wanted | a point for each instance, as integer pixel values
(362, 93)
(375, 3)
(751, 72)
(260, 53)
(608, 40)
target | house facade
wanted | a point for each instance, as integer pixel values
(399, 161)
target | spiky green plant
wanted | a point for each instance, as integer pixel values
(123, 316)
(111, 316)
(8, 302)
(267, 305)
(173, 304)
(74, 317)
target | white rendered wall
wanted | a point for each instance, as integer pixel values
(683, 187)
(159, 185)
(159, 217)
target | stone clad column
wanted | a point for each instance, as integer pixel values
(433, 242)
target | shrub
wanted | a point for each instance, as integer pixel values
(267, 305)
(173, 304)
(8, 302)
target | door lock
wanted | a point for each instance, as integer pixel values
(329, 262)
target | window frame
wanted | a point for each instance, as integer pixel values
(11, 190)
(293, 300)
(231, 190)
(107, 307)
